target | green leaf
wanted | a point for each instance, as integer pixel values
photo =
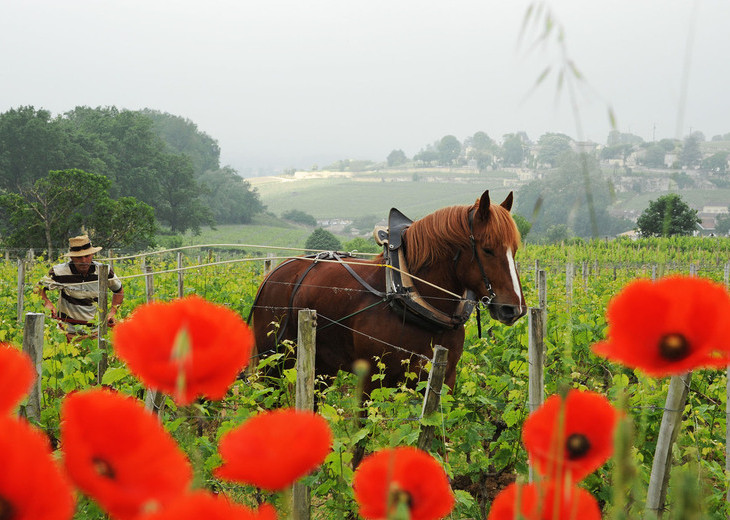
(114, 374)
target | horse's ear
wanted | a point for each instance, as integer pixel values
(483, 208)
(507, 203)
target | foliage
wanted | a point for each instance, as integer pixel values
(551, 147)
(480, 420)
(300, 217)
(229, 196)
(654, 156)
(182, 136)
(717, 162)
(618, 138)
(576, 196)
(449, 149)
(669, 215)
(396, 158)
(322, 240)
(513, 150)
(523, 225)
(60, 204)
(691, 154)
(362, 245)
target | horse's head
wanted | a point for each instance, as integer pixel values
(489, 268)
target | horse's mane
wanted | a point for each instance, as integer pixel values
(434, 236)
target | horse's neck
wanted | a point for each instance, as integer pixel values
(442, 276)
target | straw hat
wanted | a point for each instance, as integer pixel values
(81, 246)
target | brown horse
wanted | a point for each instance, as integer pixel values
(456, 255)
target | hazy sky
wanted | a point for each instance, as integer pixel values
(292, 83)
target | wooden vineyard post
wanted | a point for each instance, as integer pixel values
(537, 270)
(21, 289)
(149, 282)
(668, 430)
(306, 350)
(154, 400)
(569, 276)
(267, 264)
(537, 326)
(180, 276)
(103, 325)
(432, 399)
(33, 347)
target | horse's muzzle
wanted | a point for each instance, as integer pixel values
(507, 314)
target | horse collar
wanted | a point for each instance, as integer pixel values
(491, 295)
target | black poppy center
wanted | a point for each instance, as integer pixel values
(7, 511)
(577, 445)
(673, 347)
(103, 468)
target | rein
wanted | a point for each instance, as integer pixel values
(486, 300)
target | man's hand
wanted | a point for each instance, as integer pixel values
(48, 305)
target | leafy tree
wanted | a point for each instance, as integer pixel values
(717, 162)
(669, 215)
(396, 158)
(60, 204)
(513, 150)
(668, 144)
(722, 224)
(183, 137)
(552, 146)
(557, 233)
(321, 239)
(577, 196)
(229, 196)
(615, 138)
(482, 142)
(691, 154)
(448, 149)
(299, 216)
(362, 245)
(654, 156)
(523, 225)
(179, 205)
(427, 155)
(482, 149)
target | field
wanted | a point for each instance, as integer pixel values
(479, 425)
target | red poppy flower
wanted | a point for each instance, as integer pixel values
(570, 437)
(404, 473)
(119, 454)
(32, 486)
(538, 502)
(668, 327)
(200, 504)
(187, 348)
(273, 449)
(16, 376)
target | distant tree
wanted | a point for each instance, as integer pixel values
(60, 204)
(669, 215)
(682, 179)
(229, 196)
(615, 138)
(300, 217)
(552, 146)
(700, 136)
(362, 245)
(513, 150)
(557, 233)
(654, 156)
(691, 154)
(396, 158)
(482, 142)
(322, 240)
(183, 136)
(427, 156)
(179, 204)
(668, 144)
(717, 137)
(448, 149)
(717, 162)
(722, 224)
(523, 225)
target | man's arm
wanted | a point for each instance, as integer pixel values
(47, 303)
(117, 299)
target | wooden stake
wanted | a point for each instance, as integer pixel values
(432, 399)
(306, 351)
(33, 347)
(103, 325)
(180, 276)
(21, 289)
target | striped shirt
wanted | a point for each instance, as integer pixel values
(79, 292)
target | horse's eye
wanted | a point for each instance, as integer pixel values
(488, 251)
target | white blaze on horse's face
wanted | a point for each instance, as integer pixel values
(513, 274)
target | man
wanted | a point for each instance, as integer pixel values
(77, 280)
